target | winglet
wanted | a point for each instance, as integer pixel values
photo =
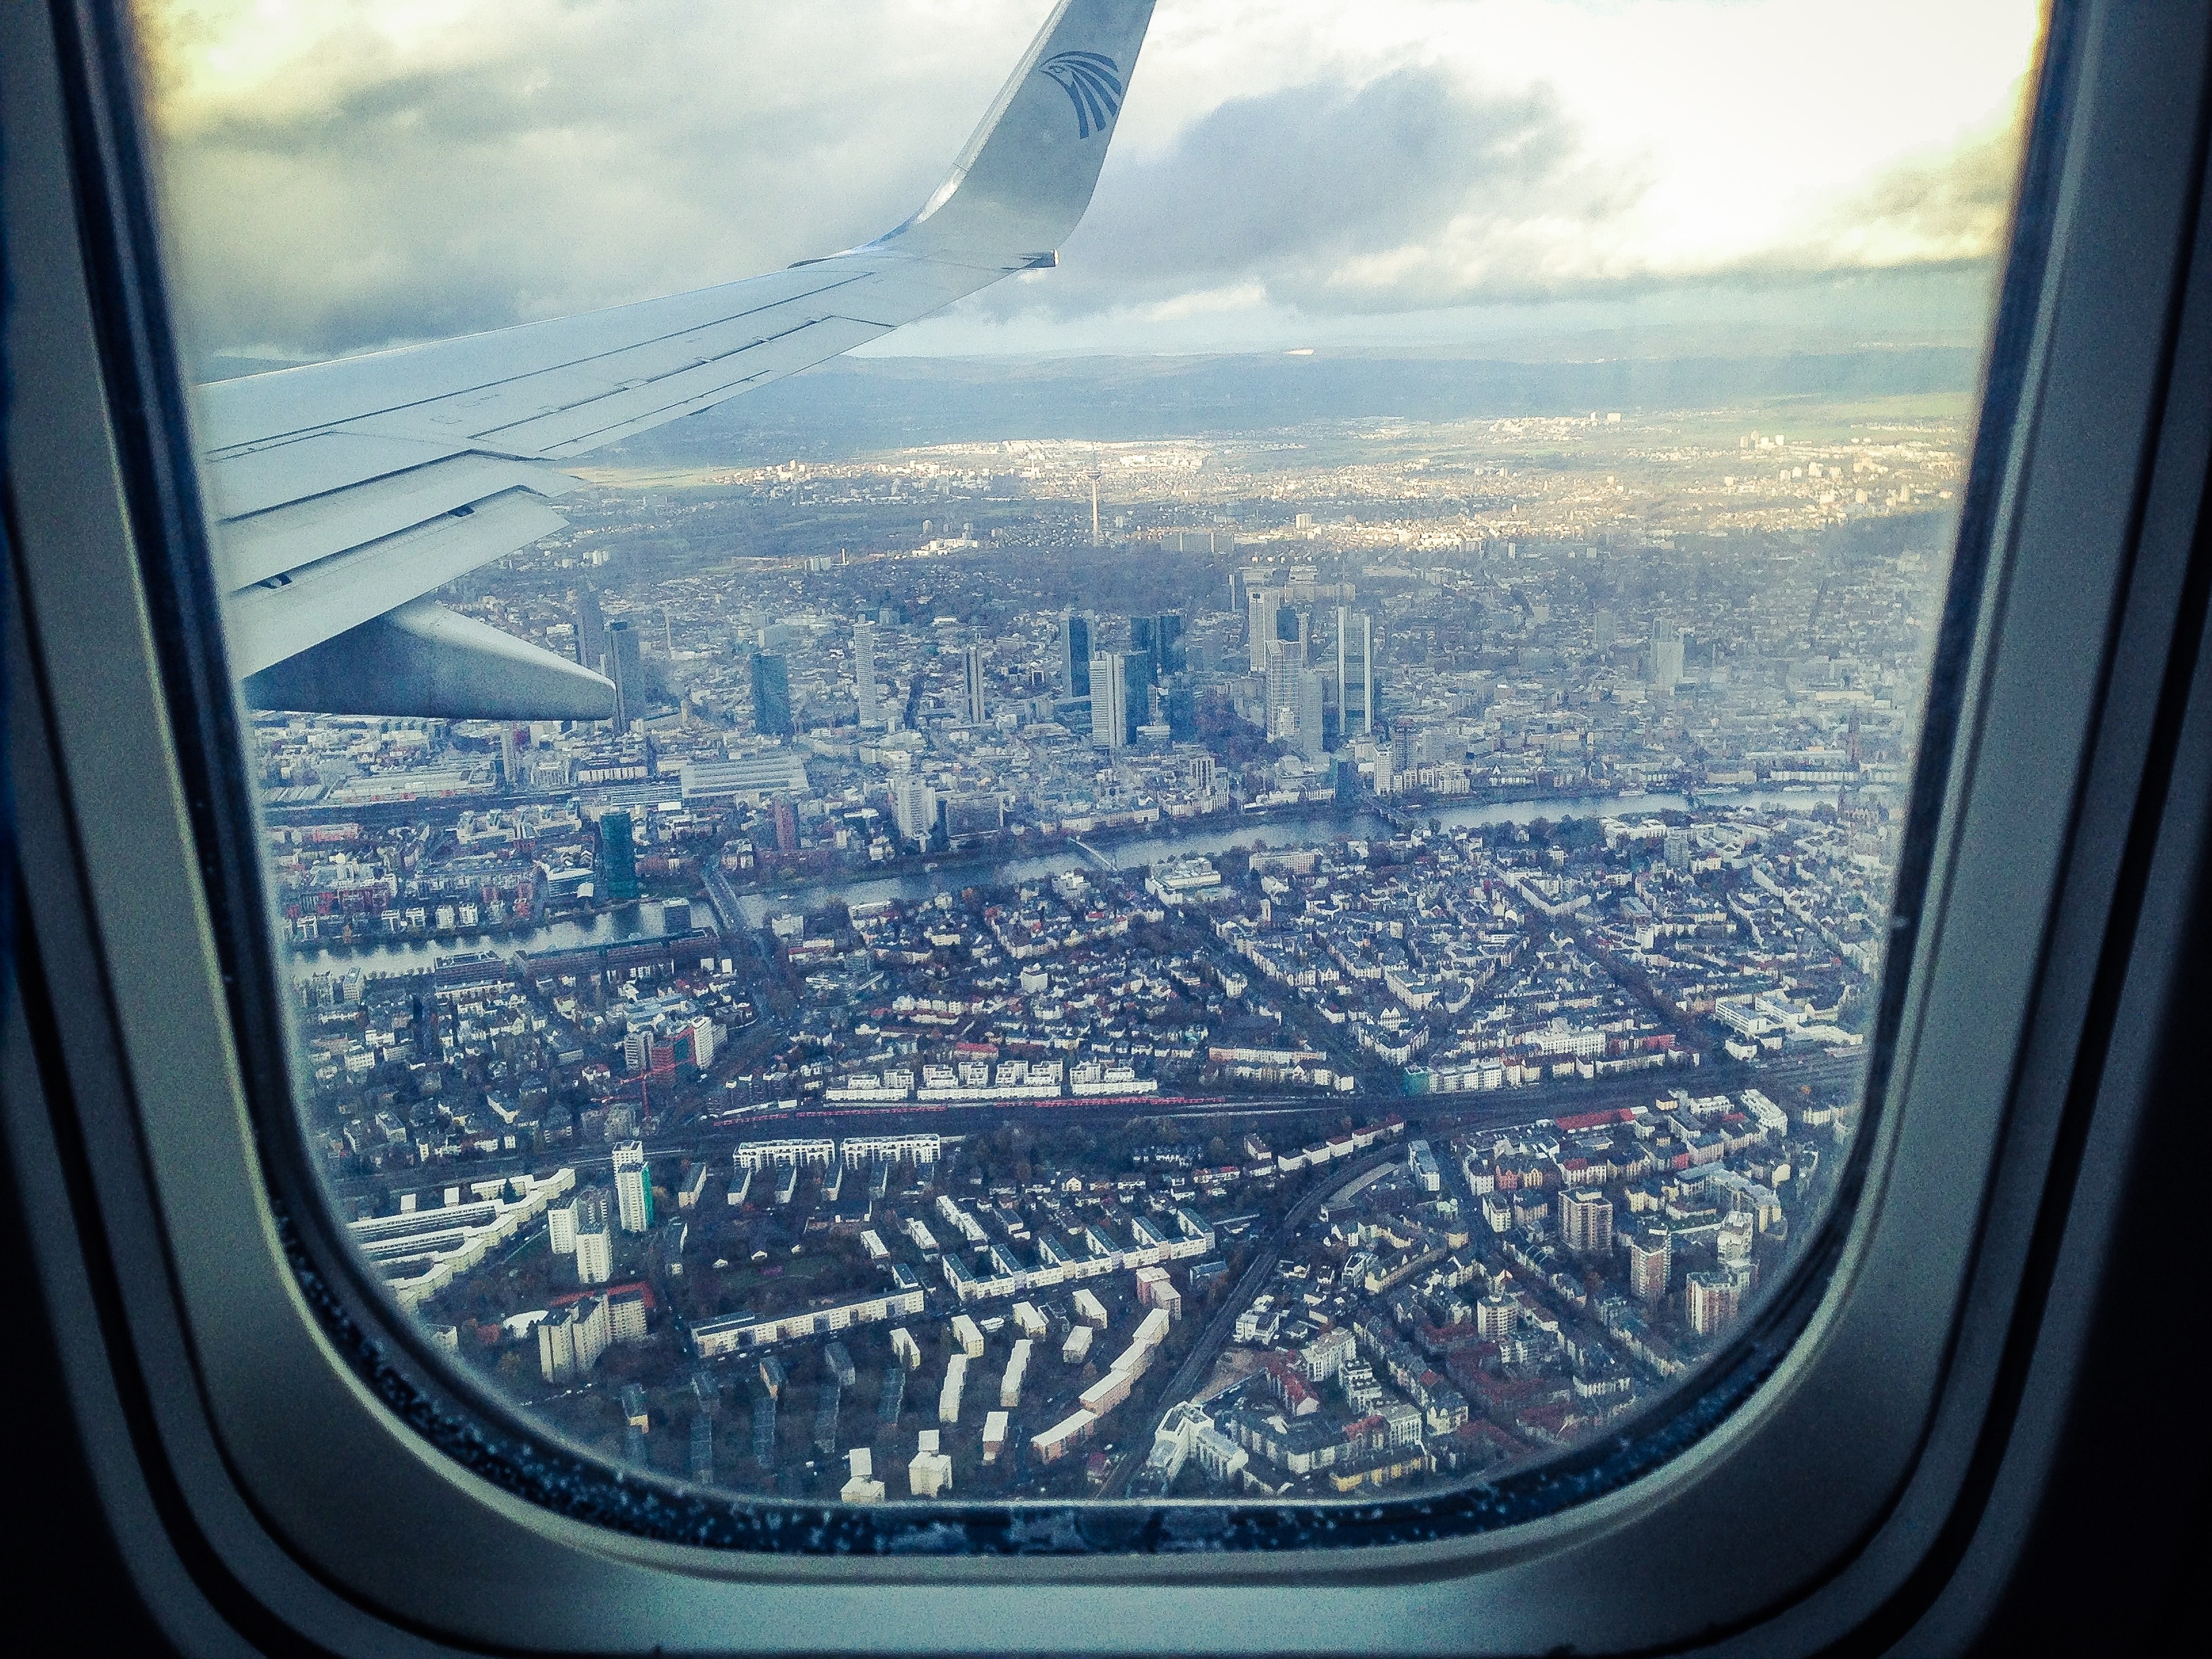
(1024, 180)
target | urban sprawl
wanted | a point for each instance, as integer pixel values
(1297, 962)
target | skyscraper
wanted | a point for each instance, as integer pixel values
(590, 631)
(864, 672)
(1355, 669)
(1168, 656)
(1075, 653)
(1181, 707)
(1293, 628)
(1665, 658)
(1312, 712)
(914, 808)
(627, 671)
(1282, 689)
(1110, 702)
(1137, 693)
(618, 857)
(1261, 631)
(771, 696)
(1144, 642)
(973, 663)
(633, 1188)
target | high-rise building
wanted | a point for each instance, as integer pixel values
(1711, 1300)
(633, 1188)
(1355, 669)
(591, 632)
(510, 762)
(1137, 693)
(1180, 704)
(973, 663)
(1261, 631)
(627, 670)
(864, 672)
(1098, 536)
(1651, 1260)
(1282, 668)
(1586, 1222)
(595, 1248)
(914, 807)
(1075, 653)
(1144, 641)
(1110, 701)
(1198, 772)
(771, 696)
(1312, 732)
(1168, 654)
(618, 857)
(1665, 658)
(1293, 628)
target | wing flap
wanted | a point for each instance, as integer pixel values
(282, 539)
(269, 622)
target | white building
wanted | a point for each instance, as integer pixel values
(633, 1188)
(570, 1342)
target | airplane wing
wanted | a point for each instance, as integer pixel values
(346, 491)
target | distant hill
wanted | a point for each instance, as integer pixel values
(857, 404)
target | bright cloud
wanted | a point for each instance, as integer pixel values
(344, 173)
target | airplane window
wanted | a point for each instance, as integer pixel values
(1215, 819)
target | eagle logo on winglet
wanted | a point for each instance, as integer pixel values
(1092, 81)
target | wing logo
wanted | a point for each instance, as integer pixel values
(1092, 81)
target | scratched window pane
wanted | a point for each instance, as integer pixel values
(1227, 835)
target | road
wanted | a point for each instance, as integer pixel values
(1502, 1108)
(1267, 1251)
(1269, 1248)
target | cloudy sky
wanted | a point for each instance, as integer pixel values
(342, 174)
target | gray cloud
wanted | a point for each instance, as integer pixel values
(1411, 191)
(605, 166)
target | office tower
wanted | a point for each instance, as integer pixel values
(1075, 653)
(1181, 707)
(626, 669)
(1665, 658)
(1198, 772)
(1137, 693)
(591, 632)
(510, 765)
(1145, 643)
(1168, 656)
(1312, 691)
(864, 672)
(771, 696)
(914, 808)
(1237, 592)
(973, 662)
(1292, 629)
(1355, 669)
(1110, 701)
(618, 857)
(633, 1188)
(1282, 668)
(1260, 633)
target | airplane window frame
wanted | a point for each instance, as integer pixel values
(132, 764)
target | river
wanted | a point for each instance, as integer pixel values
(643, 921)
